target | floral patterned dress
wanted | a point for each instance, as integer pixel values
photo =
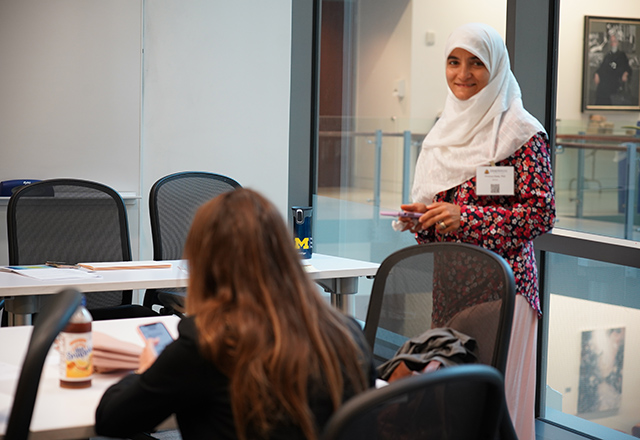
(507, 225)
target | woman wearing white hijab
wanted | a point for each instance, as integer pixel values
(484, 177)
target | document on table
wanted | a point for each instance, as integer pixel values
(123, 265)
(47, 273)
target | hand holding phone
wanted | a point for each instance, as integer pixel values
(158, 331)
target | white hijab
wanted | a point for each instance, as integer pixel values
(488, 127)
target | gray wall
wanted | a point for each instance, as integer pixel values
(80, 99)
(216, 93)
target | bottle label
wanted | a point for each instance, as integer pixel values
(76, 353)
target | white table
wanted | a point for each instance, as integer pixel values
(62, 413)
(338, 276)
(21, 292)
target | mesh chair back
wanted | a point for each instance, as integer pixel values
(50, 322)
(173, 201)
(463, 402)
(73, 221)
(455, 285)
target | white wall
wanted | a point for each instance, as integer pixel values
(70, 90)
(216, 94)
(70, 94)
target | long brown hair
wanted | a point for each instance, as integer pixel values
(260, 319)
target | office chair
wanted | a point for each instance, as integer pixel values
(50, 322)
(462, 402)
(457, 285)
(73, 221)
(173, 202)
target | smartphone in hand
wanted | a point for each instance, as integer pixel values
(159, 331)
(406, 214)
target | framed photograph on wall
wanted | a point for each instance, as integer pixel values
(611, 66)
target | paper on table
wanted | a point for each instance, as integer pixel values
(111, 354)
(104, 342)
(49, 273)
(122, 265)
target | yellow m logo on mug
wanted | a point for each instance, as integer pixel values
(302, 244)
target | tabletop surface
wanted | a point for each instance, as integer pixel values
(62, 413)
(319, 267)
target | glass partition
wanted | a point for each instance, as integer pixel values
(593, 370)
(593, 190)
(592, 287)
(381, 88)
(596, 168)
(374, 164)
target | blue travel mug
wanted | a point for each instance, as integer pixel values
(302, 230)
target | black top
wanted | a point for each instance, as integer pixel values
(182, 382)
(610, 72)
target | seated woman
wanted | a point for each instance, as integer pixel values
(260, 354)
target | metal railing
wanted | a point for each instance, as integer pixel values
(582, 142)
(377, 138)
(628, 144)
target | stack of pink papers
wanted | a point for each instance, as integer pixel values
(110, 354)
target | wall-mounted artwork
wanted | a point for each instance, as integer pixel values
(600, 388)
(611, 66)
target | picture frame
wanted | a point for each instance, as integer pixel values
(611, 49)
(601, 372)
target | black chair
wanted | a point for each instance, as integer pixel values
(173, 202)
(464, 402)
(73, 221)
(457, 285)
(60, 308)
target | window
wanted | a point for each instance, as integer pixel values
(591, 270)
(381, 86)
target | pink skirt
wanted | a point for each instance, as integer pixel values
(520, 377)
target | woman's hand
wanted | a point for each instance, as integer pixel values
(148, 355)
(444, 216)
(411, 223)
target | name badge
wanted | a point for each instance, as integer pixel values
(495, 181)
